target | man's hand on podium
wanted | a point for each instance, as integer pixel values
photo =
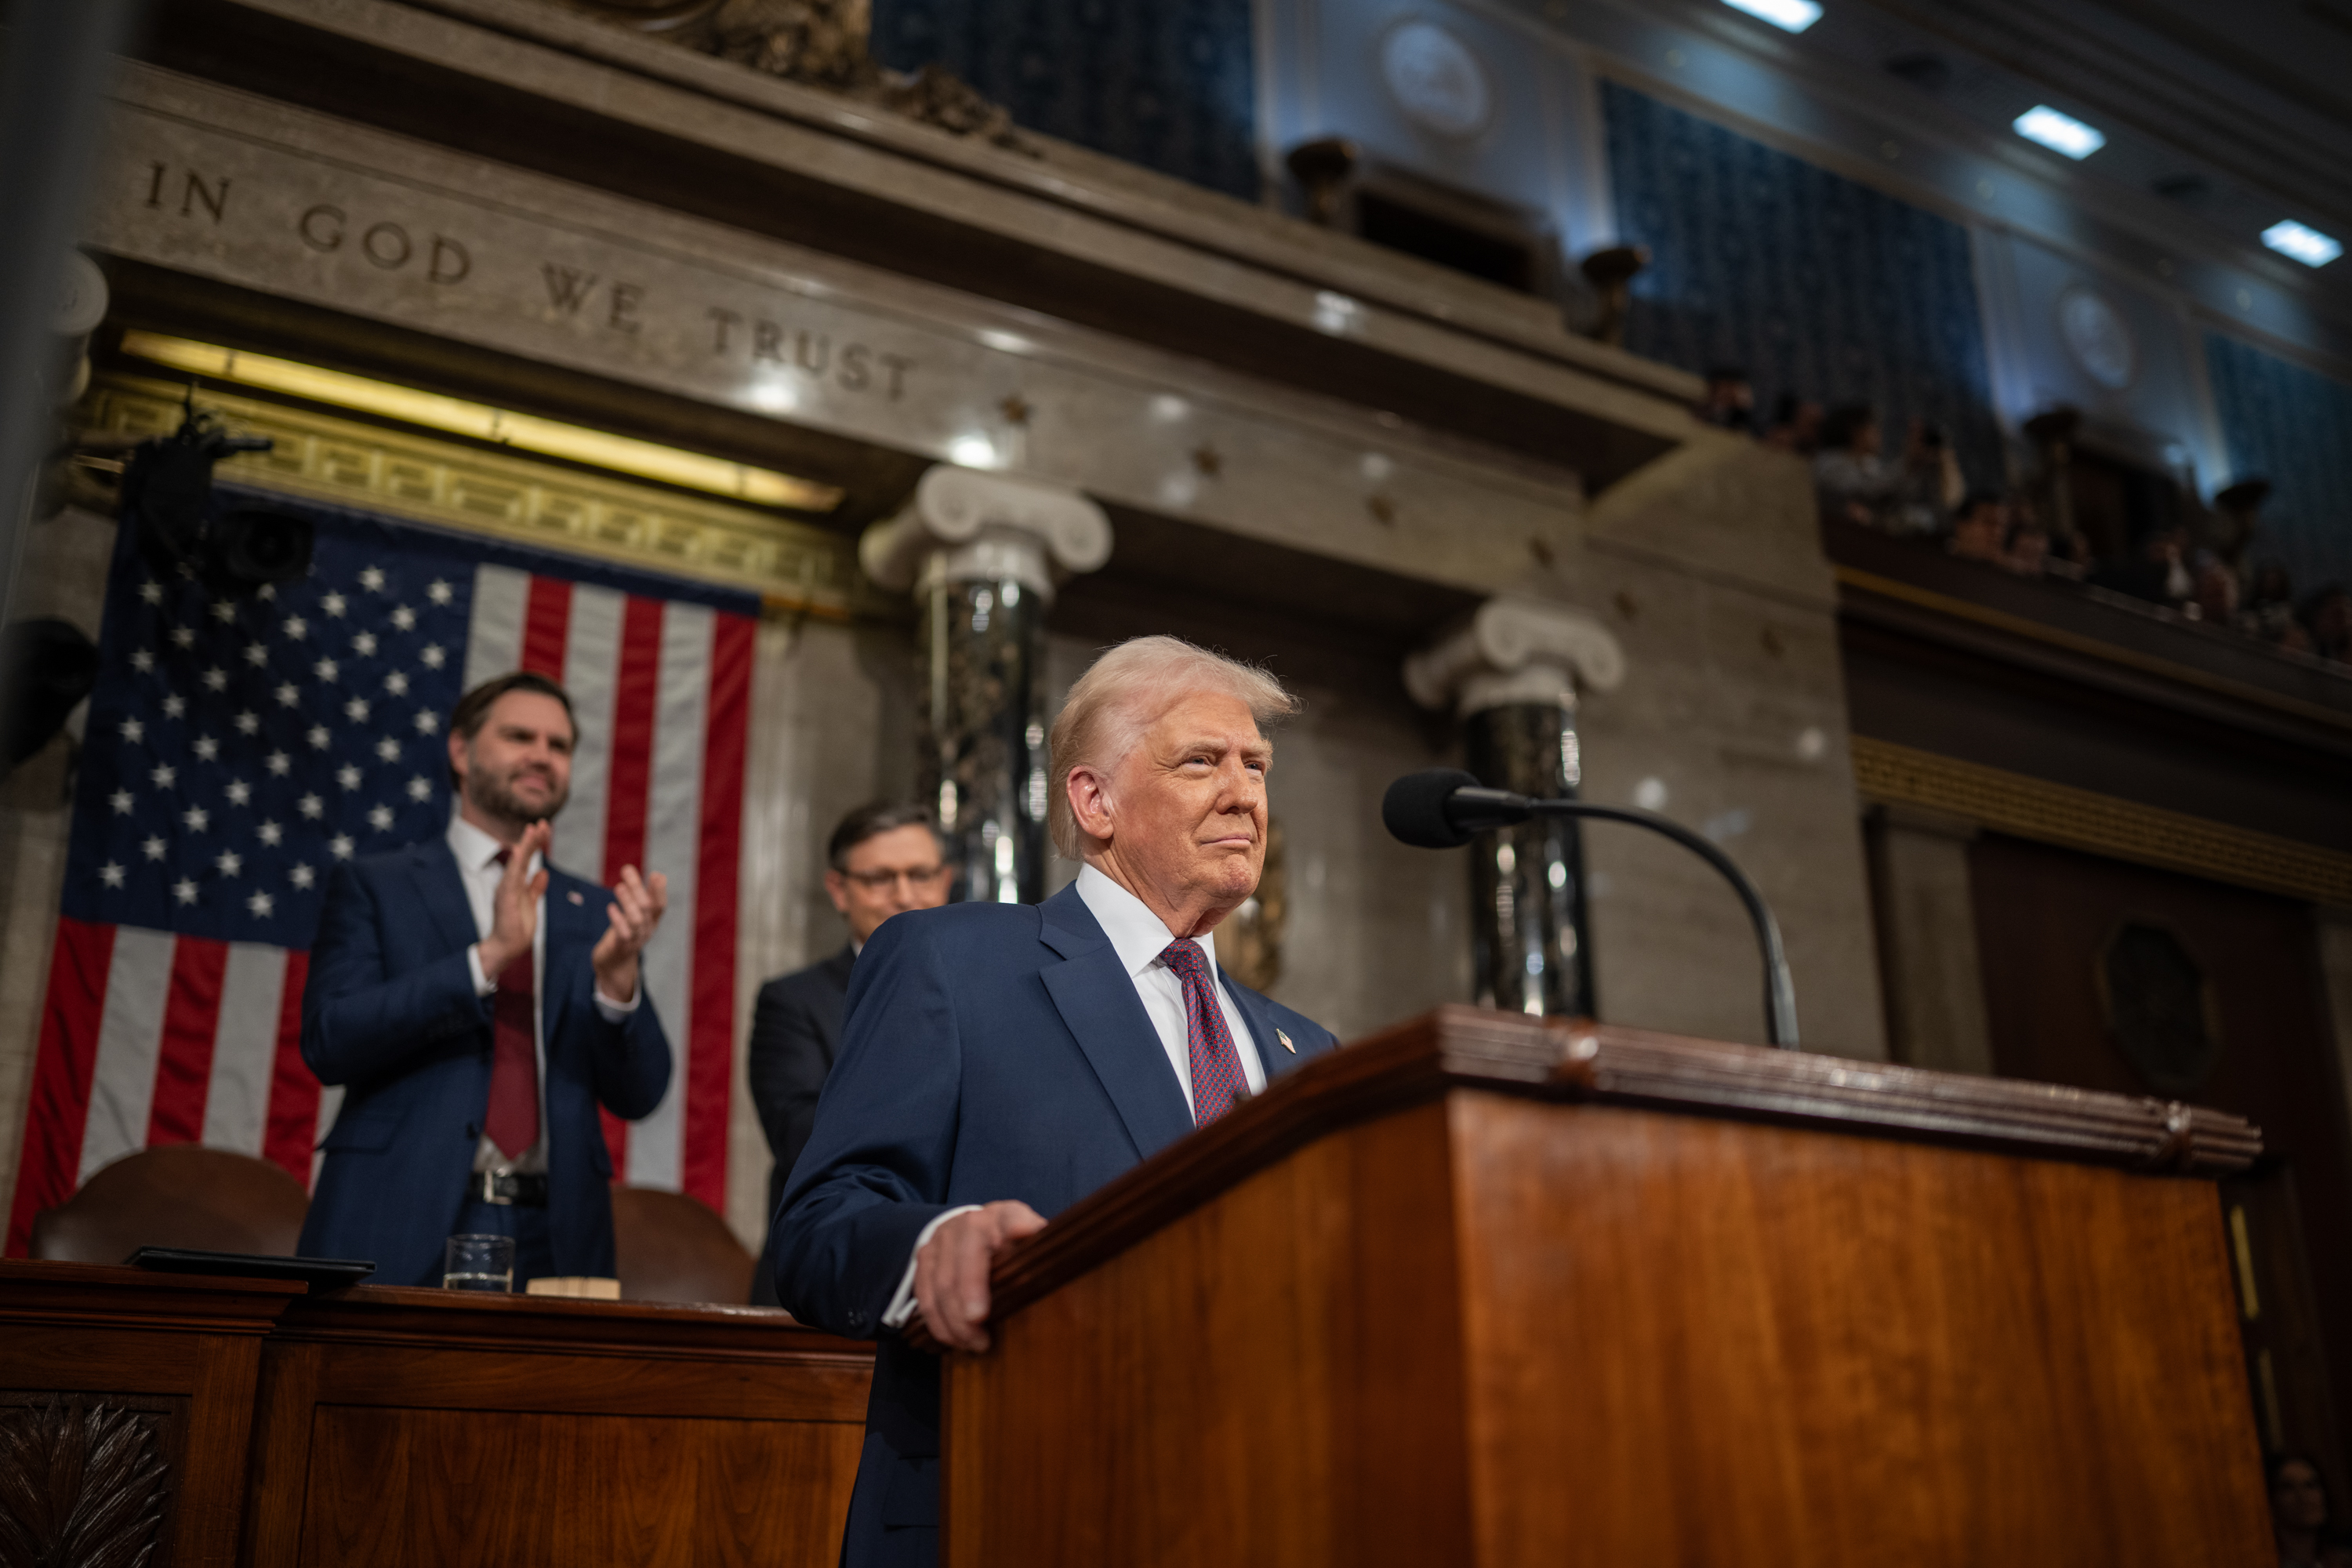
(952, 1270)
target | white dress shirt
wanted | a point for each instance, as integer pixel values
(1139, 937)
(477, 855)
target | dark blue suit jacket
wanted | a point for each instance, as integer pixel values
(390, 1012)
(991, 1051)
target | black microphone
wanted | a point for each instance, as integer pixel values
(1444, 808)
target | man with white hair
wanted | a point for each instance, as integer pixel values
(999, 1062)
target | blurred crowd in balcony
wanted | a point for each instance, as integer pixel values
(2204, 569)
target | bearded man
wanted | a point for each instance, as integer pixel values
(478, 1005)
(999, 1062)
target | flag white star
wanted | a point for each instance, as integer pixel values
(356, 709)
(348, 776)
(175, 706)
(404, 617)
(396, 683)
(295, 626)
(197, 819)
(121, 801)
(154, 848)
(427, 721)
(318, 737)
(267, 591)
(326, 669)
(311, 806)
(332, 604)
(142, 660)
(248, 722)
(164, 776)
(388, 750)
(287, 695)
(260, 904)
(207, 748)
(239, 793)
(439, 591)
(215, 679)
(379, 817)
(419, 788)
(301, 876)
(184, 890)
(110, 874)
(372, 579)
(152, 591)
(364, 644)
(224, 611)
(256, 654)
(133, 731)
(229, 861)
(278, 762)
(432, 655)
(182, 638)
(341, 844)
(270, 833)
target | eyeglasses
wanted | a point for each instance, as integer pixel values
(881, 881)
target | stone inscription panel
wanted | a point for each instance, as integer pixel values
(302, 206)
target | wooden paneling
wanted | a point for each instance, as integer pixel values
(460, 1488)
(1730, 1343)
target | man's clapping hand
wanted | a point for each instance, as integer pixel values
(635, 909)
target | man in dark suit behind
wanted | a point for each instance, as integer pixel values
(883, 859)
(1001, 1061)
(478, 1005)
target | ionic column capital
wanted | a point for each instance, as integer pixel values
(1515, 649)
(964, 525)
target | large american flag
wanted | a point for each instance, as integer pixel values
(238, 747)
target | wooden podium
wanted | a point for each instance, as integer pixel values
(1480, 1291)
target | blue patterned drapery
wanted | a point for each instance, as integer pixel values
(2294, 427)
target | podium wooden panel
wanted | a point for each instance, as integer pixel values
(1478, 1291)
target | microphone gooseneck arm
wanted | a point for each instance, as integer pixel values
(1479, 810)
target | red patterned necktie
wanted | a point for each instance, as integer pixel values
(1217, 1080)
(512, 1122)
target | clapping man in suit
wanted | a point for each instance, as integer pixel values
(1000, 1061)
(883, 859)
(478, 1005)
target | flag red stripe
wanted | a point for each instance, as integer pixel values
(709, 1071)
(184, 1064)
(628, 787)
(293, 1126)
(546, 626)
(63, 1064)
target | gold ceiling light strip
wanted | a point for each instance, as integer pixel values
(456, 416)
(2101, 824)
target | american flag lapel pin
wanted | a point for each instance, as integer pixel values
(1286, 1042)
(574, 897)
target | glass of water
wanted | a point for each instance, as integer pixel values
(479, 1263)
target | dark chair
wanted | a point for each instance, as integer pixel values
(175, 1194)
(671, 1248)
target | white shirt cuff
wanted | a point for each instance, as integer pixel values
(902, 1305)
(613, 1012)
(483, 984)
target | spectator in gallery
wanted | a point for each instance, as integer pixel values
(2215, 601)
(1796, 425)
(1730, 401)
(2268, 610)
(2026, 551)
(2299, 1516)
(2160, 575)
(884, 859)
(1979, 527)
(2329, 618)
(1853, 483)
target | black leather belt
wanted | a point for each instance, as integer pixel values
(524, 1187)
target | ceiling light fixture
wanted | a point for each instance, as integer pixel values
(1789, 15)
(2302, 242)
(2059, 133)
(521, 432)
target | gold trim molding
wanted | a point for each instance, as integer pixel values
(792, 567)
(2084, 819)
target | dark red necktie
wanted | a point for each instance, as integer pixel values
(1217, 1080)
(513, 1119)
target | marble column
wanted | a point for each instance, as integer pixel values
(1512, 675)
(980, 552)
